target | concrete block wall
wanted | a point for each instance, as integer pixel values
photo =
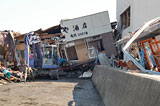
(119, 88)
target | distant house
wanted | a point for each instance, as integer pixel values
(86, 35)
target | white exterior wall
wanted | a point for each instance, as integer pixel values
(141, 12)
(122, 5)
(96, 24)
(144, 11)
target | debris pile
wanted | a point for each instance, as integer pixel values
(49, 51)
(9, 75)
(141, 50)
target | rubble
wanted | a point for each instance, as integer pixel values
(43, 50)
(142, 48)
(87, 74)
(103, 59)
(8, 61)
(46, 52)
(15, 76)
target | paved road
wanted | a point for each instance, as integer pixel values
(64, 92)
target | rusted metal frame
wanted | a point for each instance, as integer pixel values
(156, 42)
(153, 53)
(147, 40)
(158, 50)
(146, 55)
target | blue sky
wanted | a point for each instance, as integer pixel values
(29, 15)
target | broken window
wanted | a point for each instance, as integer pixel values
(50, 56)
(125, 18)
(98, 44)
(94, 47)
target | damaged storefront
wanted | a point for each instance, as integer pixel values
(86, 36)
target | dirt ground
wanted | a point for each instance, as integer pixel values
(63, 92)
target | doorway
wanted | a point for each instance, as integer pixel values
(71, 53)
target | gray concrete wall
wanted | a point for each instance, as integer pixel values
(109, 47)
(119, 88)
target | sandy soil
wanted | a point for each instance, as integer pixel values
(63, 92)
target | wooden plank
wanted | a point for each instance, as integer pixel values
(49, 41)
(21, 37)
(82, 52)
(44, 36)
(20, 46)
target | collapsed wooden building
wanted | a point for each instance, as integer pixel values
(41, 39)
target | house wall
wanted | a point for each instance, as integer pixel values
(109, 47)
(86, 26)
(122, 5)
(141, 12)
(144, 11)
(82, 52)
(81, 47)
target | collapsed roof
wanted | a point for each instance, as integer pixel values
(148, 30)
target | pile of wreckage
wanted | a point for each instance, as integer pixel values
(20, 54)
(26, 56)
(8, 70)
(64, 48)
(142, 49)
(41, 52)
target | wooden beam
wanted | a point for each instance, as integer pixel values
(21, 37)
(45, 36)
(49, 41)
(20, 46)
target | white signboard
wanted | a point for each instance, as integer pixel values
(86, 26)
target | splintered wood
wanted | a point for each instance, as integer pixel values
(15, 76)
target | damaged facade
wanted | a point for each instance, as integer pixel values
(42, 49)
(131, 15)
(77, 44)
(138, 27)
(85, 36)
